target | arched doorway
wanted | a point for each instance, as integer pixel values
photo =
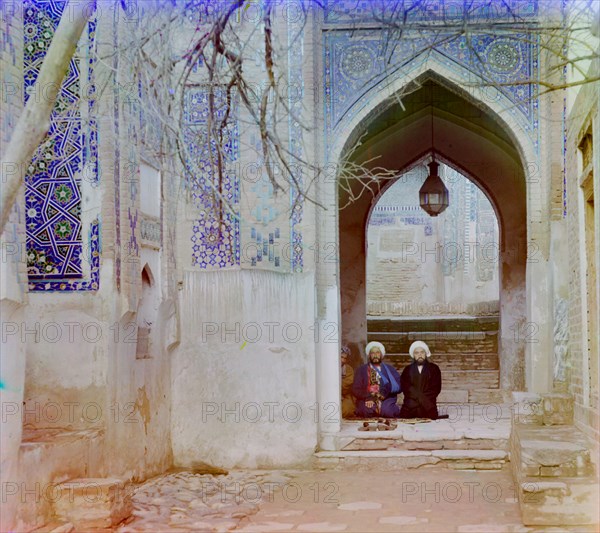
(436, 279)
(473, 140)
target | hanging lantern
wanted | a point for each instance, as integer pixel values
(433, 196)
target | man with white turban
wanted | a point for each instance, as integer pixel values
(376, 385)
(421, 383)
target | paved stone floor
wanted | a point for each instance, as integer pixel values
(430, 499)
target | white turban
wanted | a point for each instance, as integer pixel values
(418, 344)
(375, 344)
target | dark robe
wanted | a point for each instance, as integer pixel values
(348, 403)
(420, 390)
(389, 387)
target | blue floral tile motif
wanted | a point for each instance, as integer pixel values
(216, 233)
(54, 232)
(354, 64)
(359, 59)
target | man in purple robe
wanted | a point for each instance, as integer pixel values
(376, 385)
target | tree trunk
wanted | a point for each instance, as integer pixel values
(34, 122)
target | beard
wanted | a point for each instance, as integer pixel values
(376, 360)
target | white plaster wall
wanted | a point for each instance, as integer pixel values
(13, 299)
(150, 190)
(243, 377)
(65, 343)
(138, 392)
(12, 374)
(139, 407)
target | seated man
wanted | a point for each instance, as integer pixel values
(376, 385)
(421, 383)
(347, 381)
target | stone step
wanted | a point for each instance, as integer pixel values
(475, 396)
(549, 409)
(453, 396)
(93, 503)
(457, 361)
(488, 396)
(561, 452)
(50, 456)
(567, 501)
(447, 323)
(400, 343)
(470, 379)
(468, 427)
(433, 336)
(553, 470)
(386, 460)
(448, 434)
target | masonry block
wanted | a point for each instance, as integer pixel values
(527, 408)
(570, 503)
(566, 457)
(93, 503)
(556, 480)
(557, 409)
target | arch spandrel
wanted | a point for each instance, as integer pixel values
(478, 92)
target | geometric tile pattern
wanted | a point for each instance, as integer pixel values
(215, 236)
(295, 82)
(379, 217)
(55, 236)
(487, 239)
(91, 255)
(117, 168)
(264, 246)
(453, 220)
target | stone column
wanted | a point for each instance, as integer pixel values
(328, 373)
(537, 332)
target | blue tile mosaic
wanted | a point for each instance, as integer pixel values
(353, 11)
(54, 231)
(215, 239)
(355, 63)
(295, 98)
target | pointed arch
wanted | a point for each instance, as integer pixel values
(147, 276)
(477, 136)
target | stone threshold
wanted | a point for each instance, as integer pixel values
(385, 460)
(481, 455)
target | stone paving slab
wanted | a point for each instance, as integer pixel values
(434, 500)
(482, 455)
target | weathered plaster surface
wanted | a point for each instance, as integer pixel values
(243, 378)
